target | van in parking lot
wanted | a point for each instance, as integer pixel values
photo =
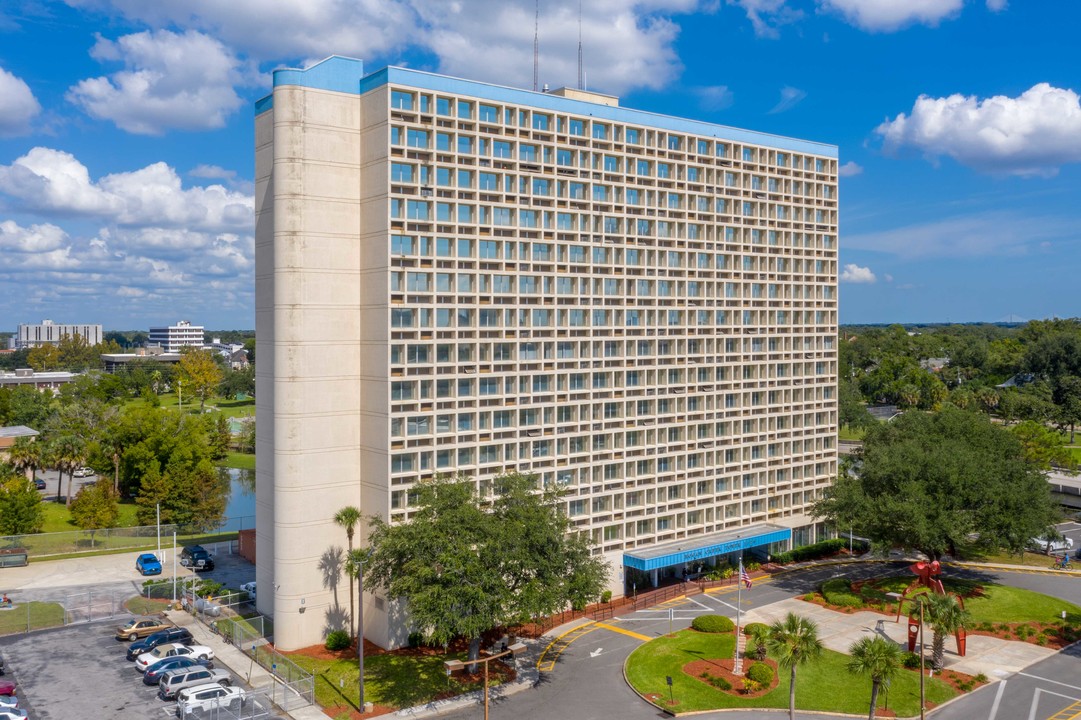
(174, 681)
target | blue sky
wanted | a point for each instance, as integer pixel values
(126, 133)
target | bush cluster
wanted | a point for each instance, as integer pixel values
(716, 681)
(819, 549)
(839, 592)
(760, 673)
(713, 624)
(753, 629)
(338, 640)
(911, 660)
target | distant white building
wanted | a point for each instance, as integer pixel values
(174, 337)
(49, 333)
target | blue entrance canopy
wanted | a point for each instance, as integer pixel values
(687, 550)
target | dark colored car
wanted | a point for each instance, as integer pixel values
(39, 483)
(197, 558)
(148, 564)
(153, 674)
(172, 635)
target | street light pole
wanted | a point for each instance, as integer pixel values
(157, 511)
(922, 702)
(360, 630)
(452, 665)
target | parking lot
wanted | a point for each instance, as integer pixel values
(80, 672)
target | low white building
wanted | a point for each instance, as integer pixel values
(174, 337)
(49, 333)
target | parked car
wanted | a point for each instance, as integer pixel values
(197, 558)
(249, 587)
(172, 635)
(203, 699)
(1044, 545)
(154, 673)
(13, 714)
(174, 681)
(140, 628)
(39, 484)
(8, 701)
(148, 564)
(83, 472)
(171, 650)
(7, 687)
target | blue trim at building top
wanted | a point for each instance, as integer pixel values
(700, 553)
(347, 75)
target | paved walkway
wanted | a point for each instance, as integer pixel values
(991, 656)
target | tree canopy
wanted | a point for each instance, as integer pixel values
(940, 482)
(465, 565)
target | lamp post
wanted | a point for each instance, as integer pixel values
(455, 665)
(357, 560)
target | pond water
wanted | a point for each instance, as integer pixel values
(240, 508)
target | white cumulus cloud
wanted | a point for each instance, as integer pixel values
(891, 15)
(627, 43)
(996, 5)
(1032, 134)
(18, 106)
(850, 169)
(170, 80)
(853, 273)
(53, 181)
(33, 239)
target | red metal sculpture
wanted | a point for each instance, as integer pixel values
(927, 576)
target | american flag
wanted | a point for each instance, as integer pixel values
(744, 577)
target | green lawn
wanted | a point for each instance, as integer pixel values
(242, 461)
(395, 680)
(851, 434)
(42, 615)
(58, 517)
(227, 406)
(1000, 603)
(823, 685)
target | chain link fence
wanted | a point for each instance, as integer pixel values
(144, 537)
(26, 617)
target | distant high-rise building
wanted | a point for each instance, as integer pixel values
(174, 337)
(457, 277)
(49, 333)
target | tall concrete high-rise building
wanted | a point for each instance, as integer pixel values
(458, 277)
(172, 338)
(49, 333)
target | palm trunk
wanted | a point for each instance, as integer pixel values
(67, 498)
(116, 474)
(938, 652)
(792, 696)
(59, 482)
(874, 699)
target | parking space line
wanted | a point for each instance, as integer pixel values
(732, 588)
(1069, 713)
(1056, 682)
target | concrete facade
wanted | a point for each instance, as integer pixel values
(454, 276)
(49, 333)
(174, 337)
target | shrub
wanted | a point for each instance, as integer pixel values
(981, 678)
(753, 629)
(750, 686)
(760, 673)
(818, 550)
(713, 624)
(718, 682)
(839, 592)
(338, 640)
(416, 639)
(606, 596)
(911, 660)
(752, 566)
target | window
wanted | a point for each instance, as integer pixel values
(600, 131)
(541, 121)
(401, 100)
(400, 172)
(577, 127)
(465, 110)
(417, 138)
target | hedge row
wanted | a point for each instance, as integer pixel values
(819, 549)
(713, 624)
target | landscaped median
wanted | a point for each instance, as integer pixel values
(824, 684)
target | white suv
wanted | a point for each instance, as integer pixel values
(200, 700)
(1051, 546)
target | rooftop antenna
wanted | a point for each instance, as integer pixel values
(581, 74)
(536, 42)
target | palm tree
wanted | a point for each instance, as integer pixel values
(793, 641)
(25, 455)
(348, 517)
(946, 617)
(877, 657)
(67, 454)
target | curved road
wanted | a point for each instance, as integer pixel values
(586, 682)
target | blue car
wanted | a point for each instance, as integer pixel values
(148, 564)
